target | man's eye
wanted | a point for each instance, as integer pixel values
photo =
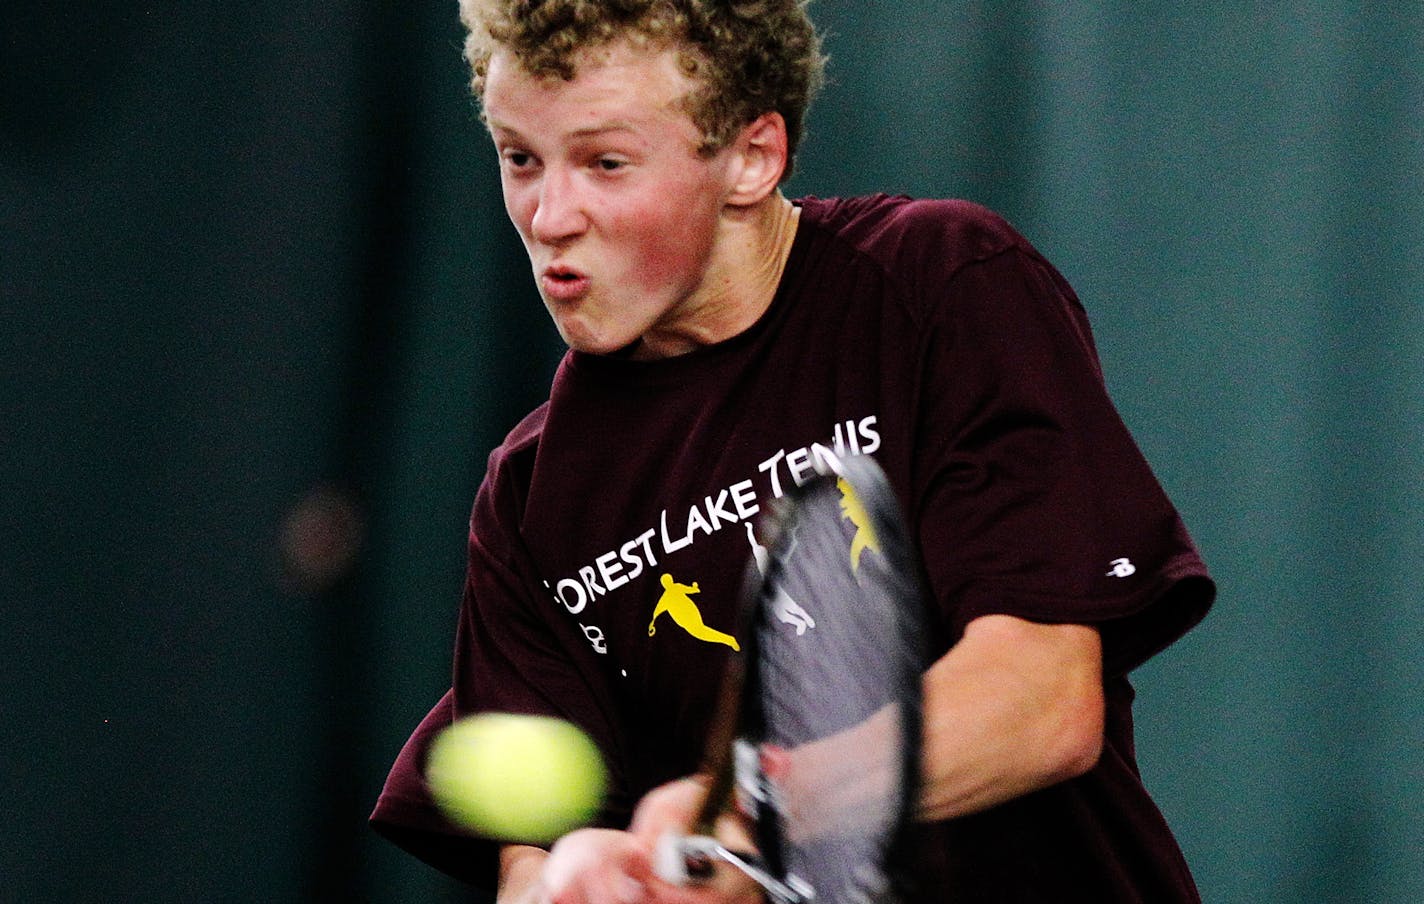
(517, 159)
(610, 164)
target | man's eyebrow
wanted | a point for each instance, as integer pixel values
(496, 127)
(602, 129)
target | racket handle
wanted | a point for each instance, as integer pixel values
(669, 860)
(690, 859)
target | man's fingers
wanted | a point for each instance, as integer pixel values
(597, 866)
(602, 887)
(668, 808)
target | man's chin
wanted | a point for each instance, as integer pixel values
(606, 345)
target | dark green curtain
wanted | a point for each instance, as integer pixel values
(1237, 193)
(253, 266)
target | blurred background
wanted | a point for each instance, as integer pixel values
(262, 319)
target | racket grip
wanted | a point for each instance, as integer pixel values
(668, 862)
(689, 859)
(684, 859)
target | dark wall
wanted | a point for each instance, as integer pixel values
(245, 258)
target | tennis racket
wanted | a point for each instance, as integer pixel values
(817, 743)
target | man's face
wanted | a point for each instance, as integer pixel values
(619, 213)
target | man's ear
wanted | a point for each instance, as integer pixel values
(760, 150)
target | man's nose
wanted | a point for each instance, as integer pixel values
(560, 214)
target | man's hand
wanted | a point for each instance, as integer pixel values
(586, 866)
(605, 866)
(598, 866)
(669, 808)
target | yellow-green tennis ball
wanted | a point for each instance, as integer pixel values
(516, 778)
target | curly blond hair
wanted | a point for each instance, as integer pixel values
(751, 56)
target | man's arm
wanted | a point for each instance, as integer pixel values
(1015, 706)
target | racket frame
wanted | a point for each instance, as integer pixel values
(734, 758)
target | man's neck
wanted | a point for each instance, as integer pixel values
(741, 279)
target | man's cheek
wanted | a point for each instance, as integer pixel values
(660, 262)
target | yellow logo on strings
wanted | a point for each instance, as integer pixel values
(677, 602)
(854, 511)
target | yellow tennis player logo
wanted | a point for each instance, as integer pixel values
(854, 512)
(677, 602)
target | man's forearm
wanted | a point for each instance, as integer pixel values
(1014, 707)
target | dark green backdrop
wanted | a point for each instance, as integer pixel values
(252, 250)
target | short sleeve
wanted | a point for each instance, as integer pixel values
(1036, 501)
(406, 815)
(509, 657)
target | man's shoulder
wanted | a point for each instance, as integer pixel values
(512, 461)
(918, 247)
(499, 503)
(525, 434)
(897, 230)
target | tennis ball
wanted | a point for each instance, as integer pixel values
(517, 778)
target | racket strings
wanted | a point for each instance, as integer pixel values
(839, 701)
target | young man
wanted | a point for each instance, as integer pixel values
(717, 331)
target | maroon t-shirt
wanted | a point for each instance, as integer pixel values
(928, 334)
